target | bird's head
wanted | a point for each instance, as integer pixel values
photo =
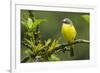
(66, 21)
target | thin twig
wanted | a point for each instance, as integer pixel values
(31, 15)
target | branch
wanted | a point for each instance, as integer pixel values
(59, 48)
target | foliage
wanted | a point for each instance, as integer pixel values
(36, 49)
(41, 49)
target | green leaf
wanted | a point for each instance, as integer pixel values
(86, 18)
(32, 25)
(38, 47)
(54, 44)
(53, 57)
(24, 25)
(30, 43)
(37, 22)
(29, 23)
(28, 52)
(47, 42)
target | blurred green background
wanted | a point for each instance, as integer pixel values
(52, 27)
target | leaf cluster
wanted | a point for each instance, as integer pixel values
(36, 49)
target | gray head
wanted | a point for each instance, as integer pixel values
(67, 21)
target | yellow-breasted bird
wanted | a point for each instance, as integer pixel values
(69, 32)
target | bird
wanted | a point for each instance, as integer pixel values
(69, 32)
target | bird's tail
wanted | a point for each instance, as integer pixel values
(71, 51)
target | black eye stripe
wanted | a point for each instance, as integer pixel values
(66, 22)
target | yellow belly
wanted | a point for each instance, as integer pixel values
(69, 32)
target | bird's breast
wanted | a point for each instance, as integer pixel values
(69, 32)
